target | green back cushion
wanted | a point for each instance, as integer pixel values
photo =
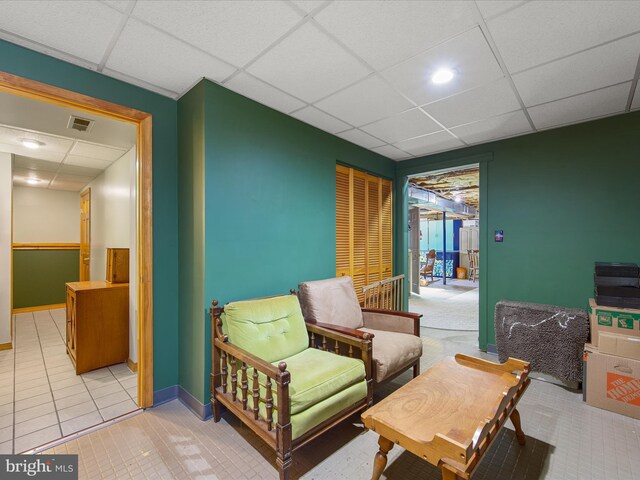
(269, 328)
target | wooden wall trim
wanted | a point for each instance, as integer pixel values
(16, 85)
(6, 346)
(46, 246)
(38, 308)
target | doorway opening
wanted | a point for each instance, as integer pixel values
(41, 370)
(444, 213)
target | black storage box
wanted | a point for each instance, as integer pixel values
(610, 269)
(599, 281)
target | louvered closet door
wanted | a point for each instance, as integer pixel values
(386, 229)
(360, 245)
(373, 229)
(343, 222)
(364, 227)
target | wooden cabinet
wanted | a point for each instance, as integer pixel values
(97, 324)
(118, 265)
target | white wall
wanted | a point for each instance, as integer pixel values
(5, 247)
(45, 216)
(113, 222)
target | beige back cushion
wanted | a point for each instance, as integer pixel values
(331, 301)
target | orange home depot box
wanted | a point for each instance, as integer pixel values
(623, 321)
(613, 383)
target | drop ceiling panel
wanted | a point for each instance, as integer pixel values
(80, 28)
(120, 5)
(616, 63)
(101, 152)
(35, 164)
(431, 143)
(508, 125)
(391, 152)
(308, 5)
(155, 57)
(468, 55)
(384, 33)
(317, 118)
(80, 171)
(411, 123)
(22, 173)
(259, 91)
(233, 31)
(308, 65)
(361, 138)
(40, 154)
(365, 102)
(12, 136)
(78, 179)
(86, 162)
(477, 104)
(581, 107)
(493, 8)
(541, 31)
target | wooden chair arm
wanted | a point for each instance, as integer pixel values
(339, 336)
(347, 331)
(397, 313)
(251, 360)
(392, 321)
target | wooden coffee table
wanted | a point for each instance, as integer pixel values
(450, 414)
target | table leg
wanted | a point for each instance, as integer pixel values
(381, 457)
(515, 419)
(448, 474)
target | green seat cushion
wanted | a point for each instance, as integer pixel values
(307, 419)
(269, 328)
(317, 375)
(322, 384)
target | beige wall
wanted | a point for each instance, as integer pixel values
(5, 247)
(45, 216)
(113, 221)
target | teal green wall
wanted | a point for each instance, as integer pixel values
(39, 276)
(565, 198)
(191, 234)
(269, 206)
(26, 63)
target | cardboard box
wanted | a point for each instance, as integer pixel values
(619, 345)
(622, 321)
(612, 383)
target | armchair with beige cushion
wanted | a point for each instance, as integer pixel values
(333, 303)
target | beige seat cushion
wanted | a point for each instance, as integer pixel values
(331, 301)
(393, 351)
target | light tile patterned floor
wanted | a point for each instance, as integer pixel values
(566, 440)
(41, 397)
(453, 306)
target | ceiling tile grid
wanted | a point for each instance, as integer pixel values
(365, 64)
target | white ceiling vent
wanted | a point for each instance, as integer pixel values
(80, 124)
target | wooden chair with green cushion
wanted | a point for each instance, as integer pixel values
(287, 380)
(333, 304)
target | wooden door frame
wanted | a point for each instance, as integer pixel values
(58, 96)
(86, 191)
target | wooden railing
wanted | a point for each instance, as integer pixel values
(385, 294)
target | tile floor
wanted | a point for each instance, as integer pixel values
(41, 397)
(453, 306)
(566, 440)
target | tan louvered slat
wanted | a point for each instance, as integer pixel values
(364, 228)
(343, 249)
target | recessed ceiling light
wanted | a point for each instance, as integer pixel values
(31, 143)
(457, 199)
(443, 75)
(33, 181)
